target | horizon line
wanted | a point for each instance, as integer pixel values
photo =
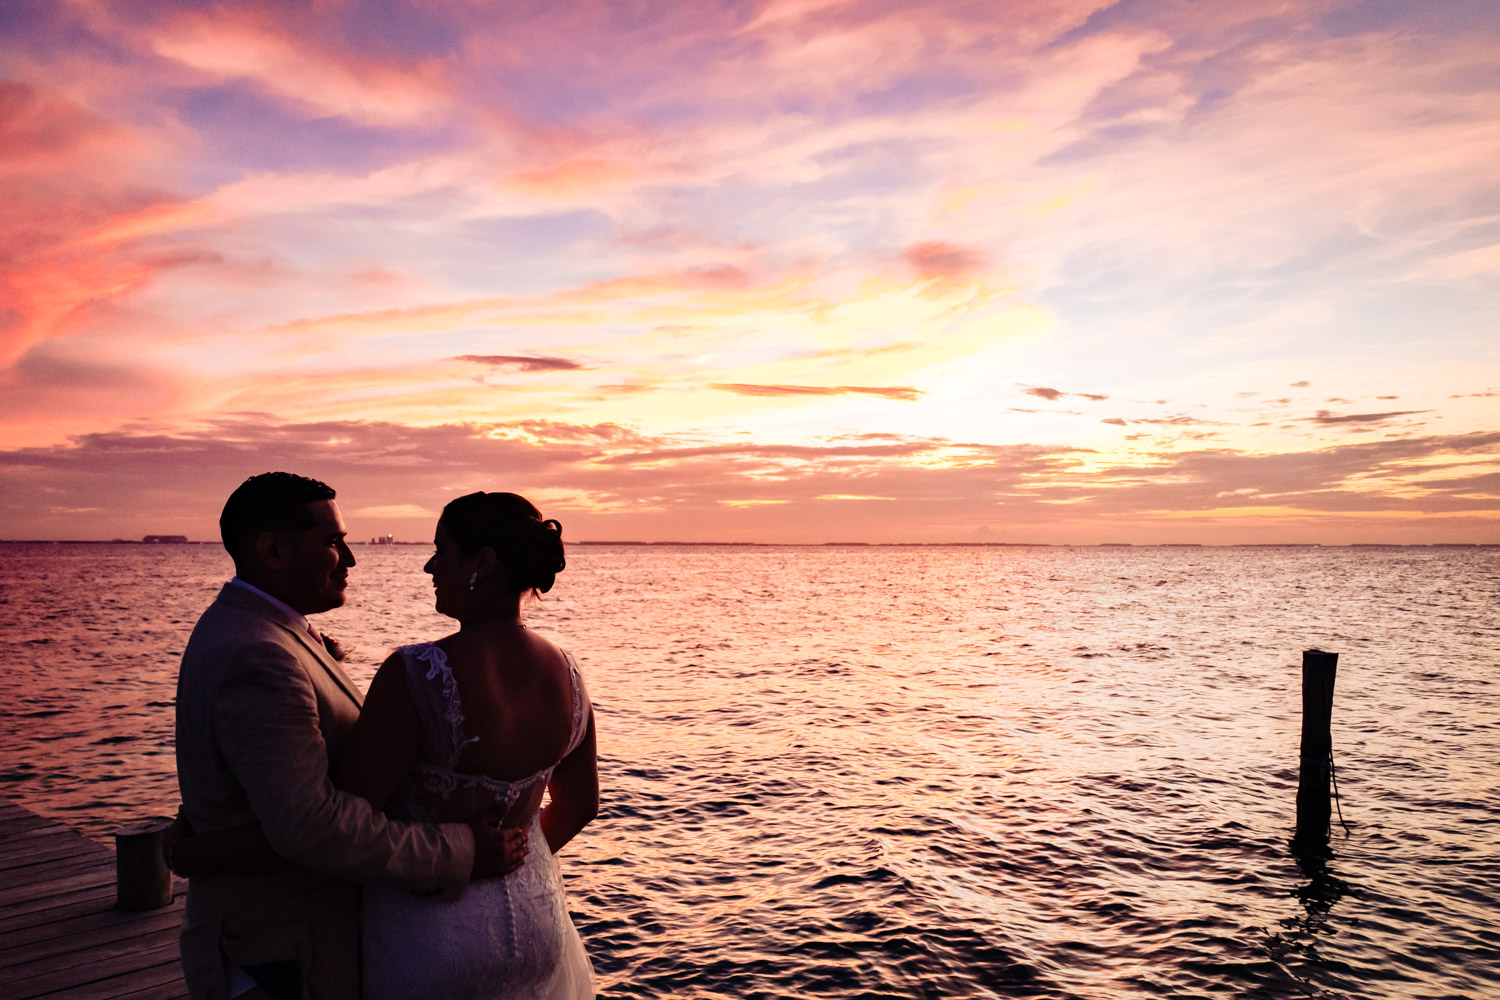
(953, 544)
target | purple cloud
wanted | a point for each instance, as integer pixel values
(1329, 417)
(522, 362)
(1052, 395)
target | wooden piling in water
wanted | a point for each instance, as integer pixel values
(1318, 672)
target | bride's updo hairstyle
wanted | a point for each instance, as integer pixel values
(529, 549)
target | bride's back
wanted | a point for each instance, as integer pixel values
(517, 699)
(499, 704)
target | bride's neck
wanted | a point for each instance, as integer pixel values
(495, 617)
(478, 624)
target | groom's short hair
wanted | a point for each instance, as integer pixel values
(271, 501)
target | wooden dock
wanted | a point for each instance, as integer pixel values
(60, 935)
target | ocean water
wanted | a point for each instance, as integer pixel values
(857, 772)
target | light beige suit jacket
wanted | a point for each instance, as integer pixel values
(262, 708)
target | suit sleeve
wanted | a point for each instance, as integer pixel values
(266, 719)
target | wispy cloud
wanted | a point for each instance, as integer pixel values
(1329, 417)
(1052, 395)
(905, 392)
(283, 50)
(523, 363)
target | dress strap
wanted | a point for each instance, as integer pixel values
(580, 704)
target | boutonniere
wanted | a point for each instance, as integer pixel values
(334, 649)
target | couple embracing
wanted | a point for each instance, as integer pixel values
(394, 845)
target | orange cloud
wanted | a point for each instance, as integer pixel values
(157, 219)
(538, 308)
(50, 300)
(571, 178)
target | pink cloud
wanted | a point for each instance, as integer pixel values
(60, 177)
(289, 51)
(937, 259)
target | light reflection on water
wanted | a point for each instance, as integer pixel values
(918, 772)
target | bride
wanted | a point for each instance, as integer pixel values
(482, 721)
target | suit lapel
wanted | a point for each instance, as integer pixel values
(242, 598)
(326, 660)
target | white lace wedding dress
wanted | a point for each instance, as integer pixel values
(506, 939)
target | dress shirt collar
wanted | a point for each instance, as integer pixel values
(296, 616)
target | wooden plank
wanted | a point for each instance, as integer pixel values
(88, 878)
(60, 936)
(17, 871)
(65, 859)
(43, 853)
(83, 933)
(61, 868)
(44, 837)
(14, 820)
(51, 907)
(167, 991)
(105, 985)
(44, 834)
(108, 977)
(81, 957)
(11, 827)
(78, 916)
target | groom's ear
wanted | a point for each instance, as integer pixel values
(271, 549)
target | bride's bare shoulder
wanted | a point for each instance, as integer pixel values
(546, 653)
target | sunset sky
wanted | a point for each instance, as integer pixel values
(805, 271)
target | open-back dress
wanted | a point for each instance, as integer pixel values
(508, 938)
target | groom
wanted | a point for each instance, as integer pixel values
(262, 708)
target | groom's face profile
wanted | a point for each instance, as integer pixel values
(312, 562)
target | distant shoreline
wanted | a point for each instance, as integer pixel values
(854, 545)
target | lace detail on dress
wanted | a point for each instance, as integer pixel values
(432, 783)
(453, 712)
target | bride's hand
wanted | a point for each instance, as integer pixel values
(498, 851)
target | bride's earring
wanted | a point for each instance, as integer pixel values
(473, 577)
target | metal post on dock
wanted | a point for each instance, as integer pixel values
(142, 881)
(1318, 672)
